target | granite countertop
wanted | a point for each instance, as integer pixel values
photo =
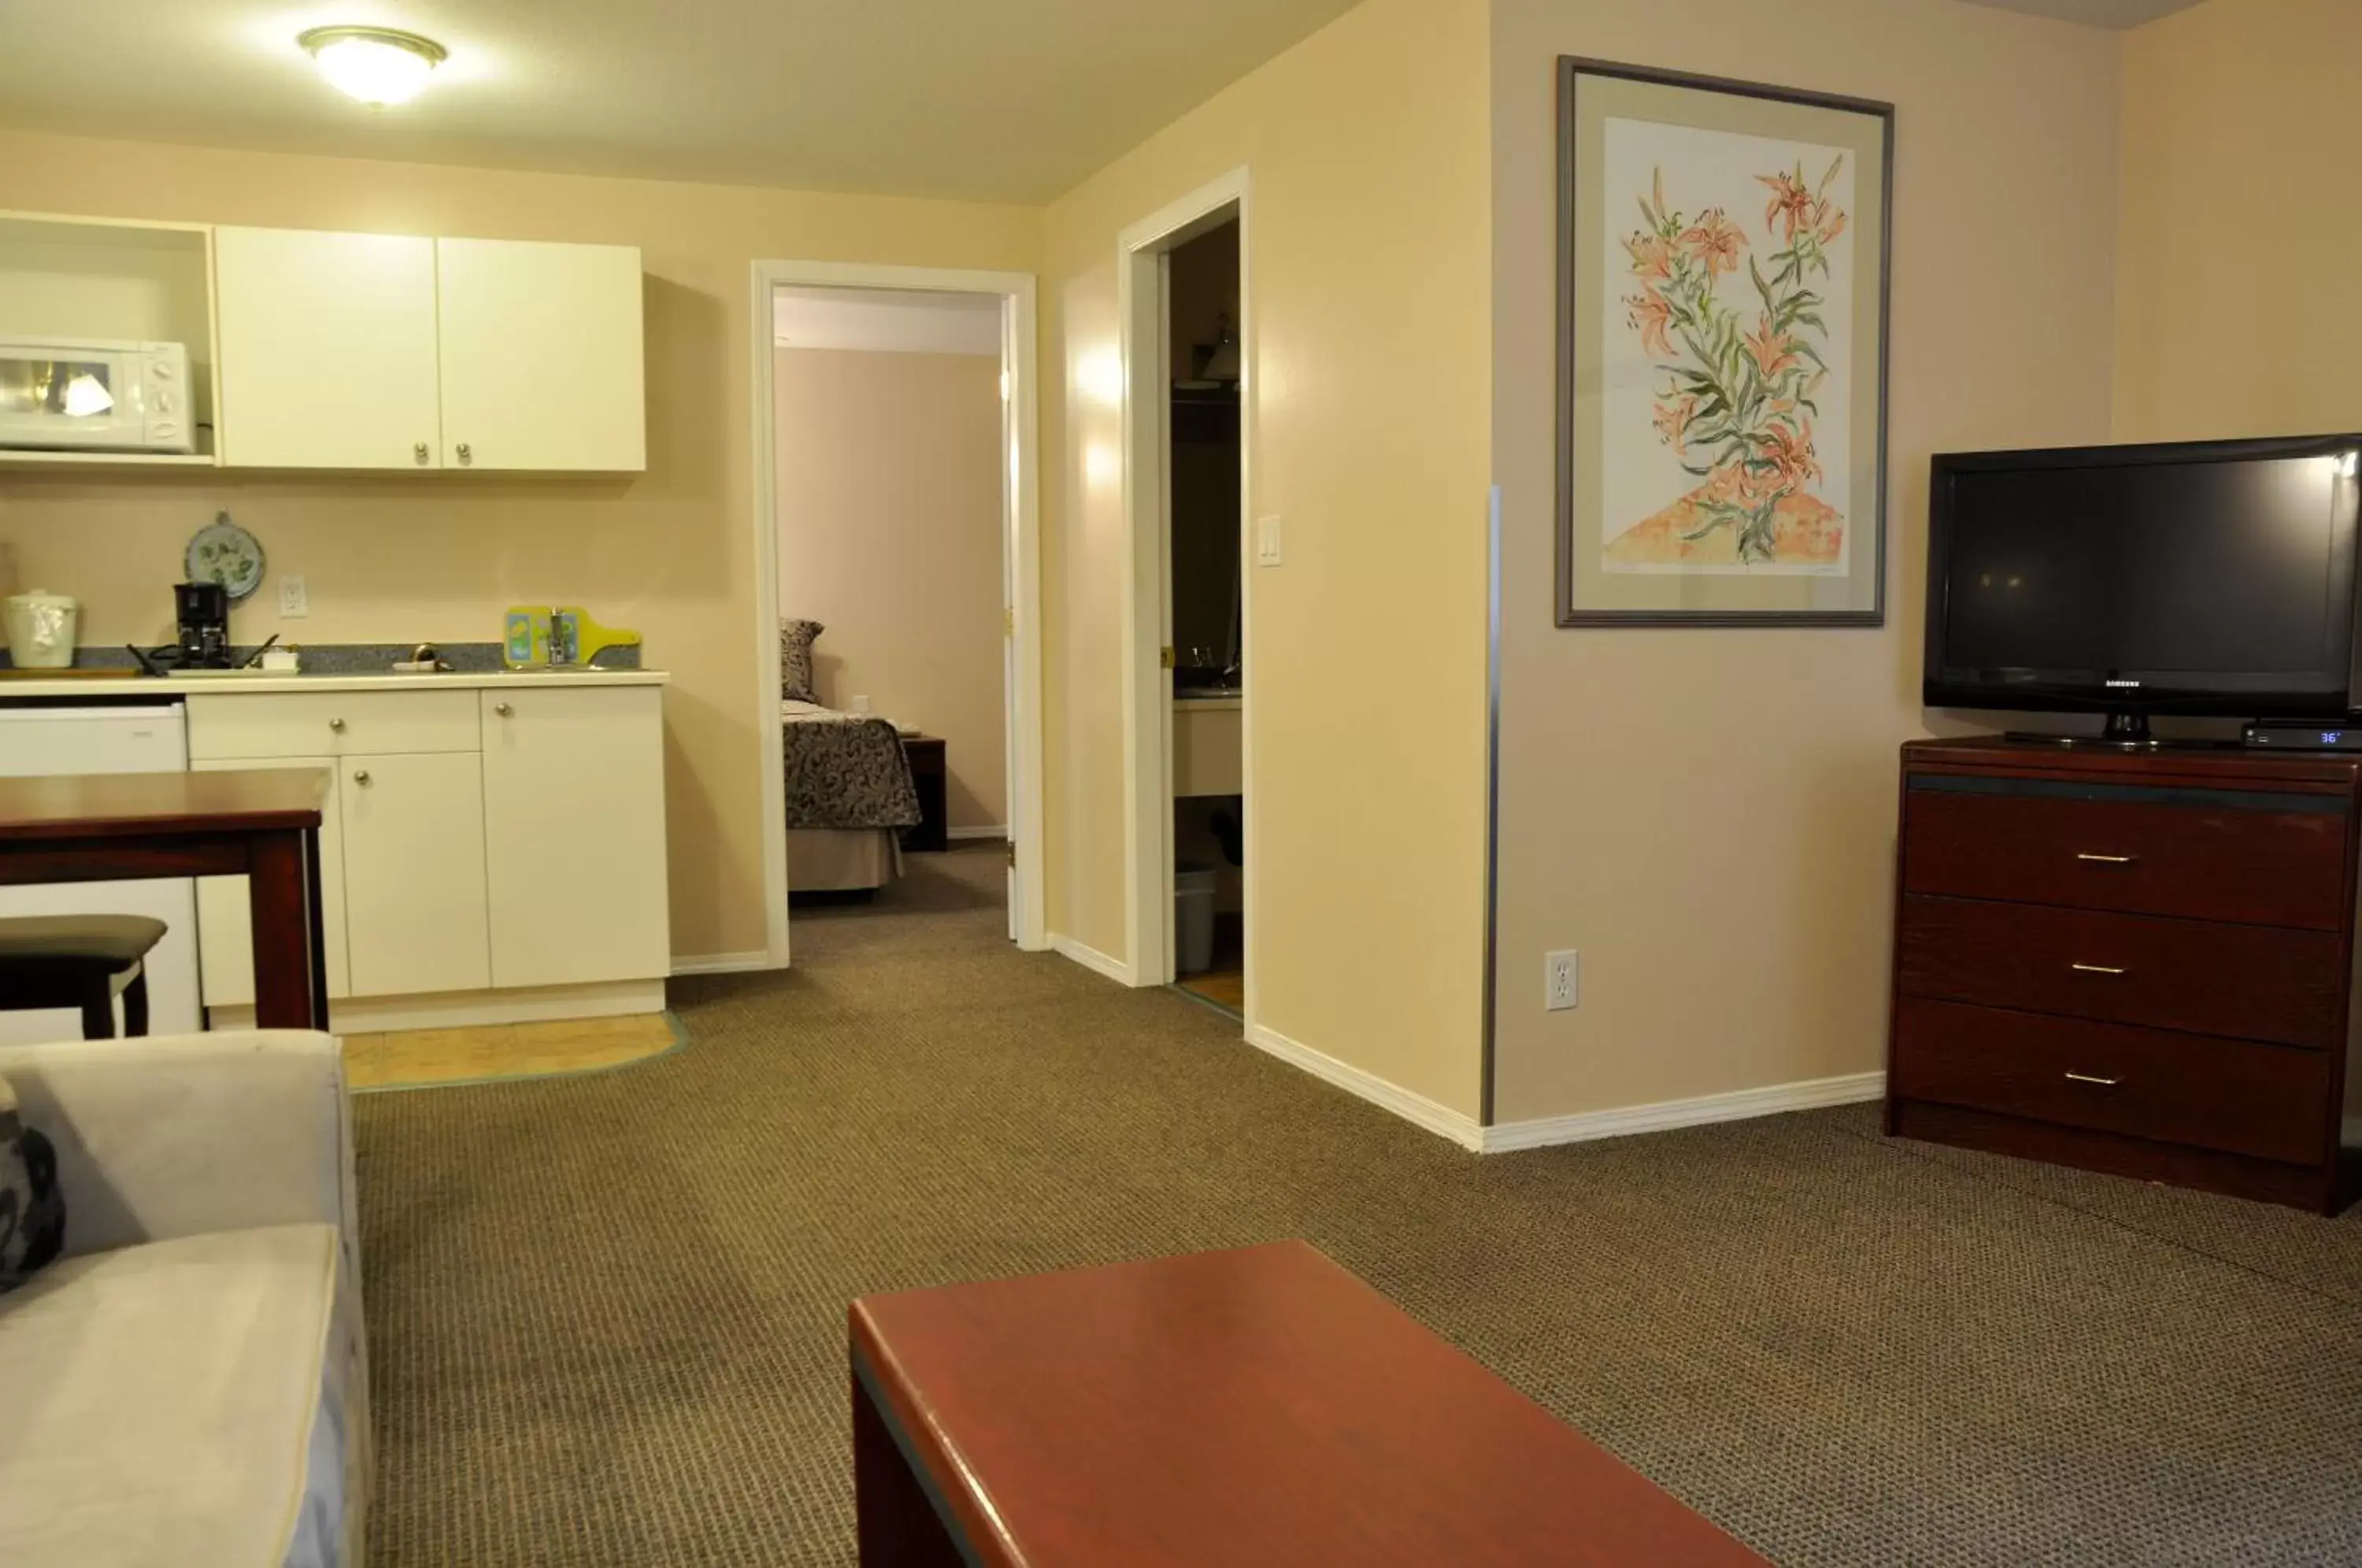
(167, 688)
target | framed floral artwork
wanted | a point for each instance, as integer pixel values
(1722, 280)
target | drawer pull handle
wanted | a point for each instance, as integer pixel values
(2095, 968)
(2107, 860)
(502, 709)
(2088, 1078)
(361, 776)
(336, 725)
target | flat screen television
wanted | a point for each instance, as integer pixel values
(2212, 578)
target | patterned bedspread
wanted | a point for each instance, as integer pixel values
(845, 770)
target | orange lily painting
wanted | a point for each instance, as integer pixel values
(1728, 311)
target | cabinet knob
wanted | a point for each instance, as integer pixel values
(360, 775)
(338, 726)
(502, 709)
(466, 454)
(418, 454)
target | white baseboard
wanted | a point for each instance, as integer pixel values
(960, 832)
(1092, 958)
(1416, 1109)
(459, 1009)
(1736, 1106)
(720, 963)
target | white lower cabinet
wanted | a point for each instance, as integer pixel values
(531, 858)
(225, 932)
(415, 905)
(574, 834)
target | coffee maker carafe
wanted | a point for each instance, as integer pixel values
(203, 610)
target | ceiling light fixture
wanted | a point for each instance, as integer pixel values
(377, 65)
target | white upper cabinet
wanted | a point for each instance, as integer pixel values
(327, 345)
(382, 351)
(541, 356)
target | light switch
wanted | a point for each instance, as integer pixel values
(294, 599)
(1267, 541)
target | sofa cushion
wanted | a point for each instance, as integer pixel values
(32, 1203)
(161, 1400)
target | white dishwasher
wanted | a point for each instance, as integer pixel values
(146, 738)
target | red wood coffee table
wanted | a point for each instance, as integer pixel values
(1258, 1406)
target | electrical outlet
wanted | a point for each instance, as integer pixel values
(1267, 541)
(1561, 980)
(294, 599)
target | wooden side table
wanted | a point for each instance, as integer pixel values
(928, 774)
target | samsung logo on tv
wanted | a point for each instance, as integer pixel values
(2124, 684)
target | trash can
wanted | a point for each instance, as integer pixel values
(1193, 918)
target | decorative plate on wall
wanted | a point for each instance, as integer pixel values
(225, 553)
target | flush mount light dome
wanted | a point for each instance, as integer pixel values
(377, 65)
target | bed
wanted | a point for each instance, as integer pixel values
(848, 797)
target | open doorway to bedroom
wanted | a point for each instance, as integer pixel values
(893, 540)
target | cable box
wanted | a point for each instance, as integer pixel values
(2289, 734)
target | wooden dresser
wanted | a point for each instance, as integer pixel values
(2141, 962)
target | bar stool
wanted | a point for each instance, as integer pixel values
(79, 961)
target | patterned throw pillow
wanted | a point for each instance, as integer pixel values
(796, 660)
(32, 1209)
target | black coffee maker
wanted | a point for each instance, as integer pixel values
(203, 610)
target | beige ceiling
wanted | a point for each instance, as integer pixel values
(2117, 14)
(1005, 100)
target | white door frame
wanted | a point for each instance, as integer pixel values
(1140, 251)
(1021, 555)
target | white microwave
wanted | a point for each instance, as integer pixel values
(95, 394)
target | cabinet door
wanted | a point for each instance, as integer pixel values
(541, 356)
(414, 873)
(327, 349)
(225, 931)
(574, 834)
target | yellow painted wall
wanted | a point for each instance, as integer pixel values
(889, 536)
(1368, 263)
(2239, 223)
(1708, 816)
(396, 557)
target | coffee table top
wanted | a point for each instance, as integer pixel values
(1258, 1406)
(109, 805)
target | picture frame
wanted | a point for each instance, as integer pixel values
(1723, 261)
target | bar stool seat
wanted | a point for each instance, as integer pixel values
(79, 961)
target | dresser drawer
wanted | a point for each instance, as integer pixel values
(333, 723)
(2237, 1096)
(2264, 857)
(2250, 981)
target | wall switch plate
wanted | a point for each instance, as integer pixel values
(1561, 980)
(294, 599)
(1267, 541)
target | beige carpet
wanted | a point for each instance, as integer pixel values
(608, 1311)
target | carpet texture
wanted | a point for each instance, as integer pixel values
(607, 1313)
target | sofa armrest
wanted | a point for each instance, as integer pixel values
(179, 1136)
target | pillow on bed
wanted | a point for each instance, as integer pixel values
(796, 660)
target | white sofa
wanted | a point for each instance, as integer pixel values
(189, 1384)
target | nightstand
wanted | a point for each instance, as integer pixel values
(927, 772)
